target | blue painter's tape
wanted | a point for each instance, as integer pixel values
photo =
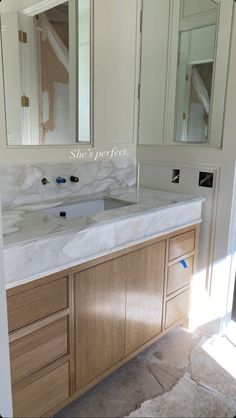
(184, 264)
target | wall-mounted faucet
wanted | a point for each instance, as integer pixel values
(60, 180)
(45, 181)
(74, 179)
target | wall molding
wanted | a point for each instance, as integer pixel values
(216, 168)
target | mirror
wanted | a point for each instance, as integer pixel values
(184, 62)
(195, 71)
(47, 71)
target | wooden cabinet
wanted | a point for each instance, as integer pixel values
(41, 344)
(179, 275)
(39, 348)
(38, 395)
(70, 330)
(100, 294)
(145, 285)
(177, 308)
(180, 268)
(181, 244)
(36, 302)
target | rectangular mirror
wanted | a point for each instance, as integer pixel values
(196, 58)
(47, 56)
(184, 63)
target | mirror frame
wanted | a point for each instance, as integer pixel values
(220, 74)
(219, 82)
(41, 7)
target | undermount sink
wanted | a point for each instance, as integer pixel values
(87, 208)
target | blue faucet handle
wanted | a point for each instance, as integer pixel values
(60, 180)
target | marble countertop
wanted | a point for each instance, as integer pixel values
(37, 244)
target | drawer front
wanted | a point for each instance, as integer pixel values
(42, 395)
(178, 276)
(177, 308)
(181, 245)
(41, 301)
(34, 351)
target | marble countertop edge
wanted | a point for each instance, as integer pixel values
(69, 229)
(100, 254)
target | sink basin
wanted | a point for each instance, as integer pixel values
(87, 208)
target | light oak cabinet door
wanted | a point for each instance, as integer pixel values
(179, 276)
(40, 301)
(100, 294)
(38, 349)
(36, 396)
(177, 308)
(145, 286)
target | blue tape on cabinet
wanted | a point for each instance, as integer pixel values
(184, 264)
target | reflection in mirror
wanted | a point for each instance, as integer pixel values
(197, 41)
(47, 71)
(154, 54)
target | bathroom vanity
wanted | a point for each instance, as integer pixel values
(97, 270)
(71, 328)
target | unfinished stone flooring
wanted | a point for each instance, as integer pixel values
(181, 375)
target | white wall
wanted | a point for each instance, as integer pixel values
(115, 75)
(155, 32)
(218, 222)
(5, 385)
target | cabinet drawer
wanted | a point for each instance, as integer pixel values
(178, 276)
(38, 349)
(181, 245)
(37, 397)
(177, 308)
(37, 303)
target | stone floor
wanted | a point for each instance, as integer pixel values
(182, 375)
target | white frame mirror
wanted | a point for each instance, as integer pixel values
(24, 64)
(166, 132)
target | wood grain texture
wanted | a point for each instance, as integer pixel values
(181, 244)
(37, 303)
(71, 337)
(177, 308)
(34, 351)
(178, 276)
(145, 288)
(100, 319)
(40, 396)
(29, 329)
(95, 296)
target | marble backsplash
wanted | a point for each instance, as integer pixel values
(21, 184)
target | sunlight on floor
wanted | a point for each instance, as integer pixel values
(223, 351)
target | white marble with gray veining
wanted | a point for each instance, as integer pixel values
(21, 184)
(37, 244)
